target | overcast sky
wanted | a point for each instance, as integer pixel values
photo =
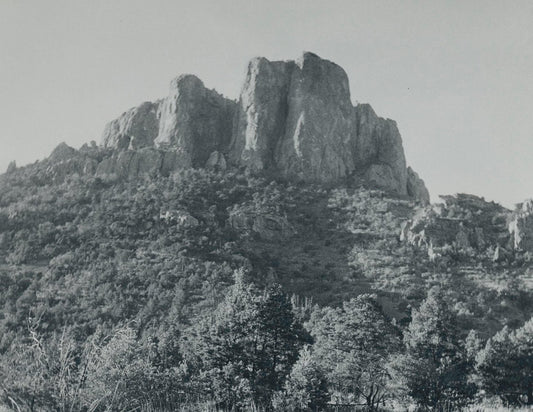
(457, 76)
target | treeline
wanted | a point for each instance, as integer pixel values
(258, 350)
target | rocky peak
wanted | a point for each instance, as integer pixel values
(63, 152)
(293, 118)
(11, 167)
(195, 121)
(186, 84)
(136, 128)
(296, 117)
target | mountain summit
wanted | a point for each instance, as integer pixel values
(293, 118)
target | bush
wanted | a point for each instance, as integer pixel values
(306, 387)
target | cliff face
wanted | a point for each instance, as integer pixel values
(134, 129)
(305, 129)
(521, 226)
(293, 118)
(195, 121)
(297, 118)
(192, 121)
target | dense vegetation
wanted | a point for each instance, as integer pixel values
(230, 290)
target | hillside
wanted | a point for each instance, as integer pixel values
(327, 243)
(146, 232)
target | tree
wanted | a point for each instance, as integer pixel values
(505, 365)
(126, 375)
(306, 388)
(435, 367)
(352, 344)
(246, 349)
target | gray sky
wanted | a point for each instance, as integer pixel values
(457, 76)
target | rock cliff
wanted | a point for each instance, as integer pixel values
(416, 187)
(298, 119)
(194, 121)
(11, 167)
(293, 118)
(521, 226)
(134, 129)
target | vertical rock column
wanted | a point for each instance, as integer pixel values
(194, 121)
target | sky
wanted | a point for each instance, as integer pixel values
(457, 76)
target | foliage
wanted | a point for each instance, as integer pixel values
(435, 367)
(123, 376)
(246, 349)
(306, 388)
(505, 365)
(44, 374)
(352, 344)
(130, 265)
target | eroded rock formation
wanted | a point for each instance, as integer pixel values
(464, 224)
(416, 187)
(194, 121)
(293, 118)
(298, 119)
(521, 226)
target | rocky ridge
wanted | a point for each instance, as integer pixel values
(293, 118)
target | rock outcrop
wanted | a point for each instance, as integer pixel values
(134, 129)
(416, 187)
(66, 161)
(521, 226)
(180, 218)
(63, 152)
(463, 224)
(267, 226)
(191, 121)
(130, 164)
(195, 121)
(11, 167)
(293, 118)
(216, 162)
(298, 119)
